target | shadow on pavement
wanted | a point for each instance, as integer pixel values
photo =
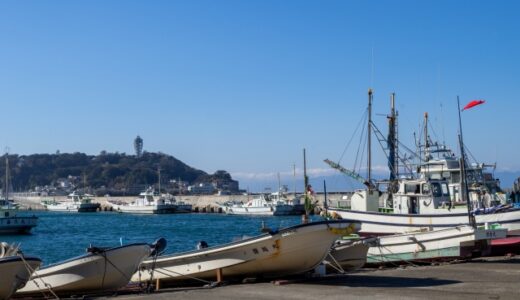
(380, 281)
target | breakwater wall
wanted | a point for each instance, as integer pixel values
(200, 203)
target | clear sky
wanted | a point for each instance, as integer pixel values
(246, 85)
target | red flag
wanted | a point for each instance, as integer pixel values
(473, 103)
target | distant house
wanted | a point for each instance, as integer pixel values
(202, 189)
(64, 183)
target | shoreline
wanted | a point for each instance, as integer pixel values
(200, 203)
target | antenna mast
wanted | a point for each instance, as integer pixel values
(369, 132)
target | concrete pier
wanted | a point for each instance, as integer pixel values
(485, 278)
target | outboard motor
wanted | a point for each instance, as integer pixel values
(202, 245)
(158, 246)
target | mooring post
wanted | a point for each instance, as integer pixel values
(157, 284)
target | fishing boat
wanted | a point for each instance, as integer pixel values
(180, 206)
(100, 270)
(10, 221)
(293, 250)
(275, 204)
(419, 203)
(146, 203)
(76, 202)
(15, 269)
(62, 206)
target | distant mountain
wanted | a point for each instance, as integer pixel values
(340, 183)
(108, 171)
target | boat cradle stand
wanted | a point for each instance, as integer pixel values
(220, 280)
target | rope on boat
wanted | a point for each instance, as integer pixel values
(382, 260)
(335, 265)
(104, 254)
(168, 273)
(173, 274)
(33, 271)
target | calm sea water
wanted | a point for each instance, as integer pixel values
(60, 236)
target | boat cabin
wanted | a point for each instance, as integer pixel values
(422, 196)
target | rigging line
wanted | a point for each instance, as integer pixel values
(433, 130)
(470, 154)
(363, 152)
(359, 153)
(33, 272)
(399, 157)
(359, 146)
(382, 139)
(361, 121)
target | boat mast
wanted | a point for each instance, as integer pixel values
(393, 162)
(305, 217)
(426, 142)
(159, 175)
(294, 180)
(369, 140)
(463, 180)
(279, 187)
(6, 176)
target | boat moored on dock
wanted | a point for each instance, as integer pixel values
(99, 270)
(293, 250)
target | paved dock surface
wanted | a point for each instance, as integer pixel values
(486, 278)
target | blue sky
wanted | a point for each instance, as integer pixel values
(246, 85)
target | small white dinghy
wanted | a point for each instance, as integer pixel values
(348, 254)
(289, 251)
(15, 269)
(100, 270)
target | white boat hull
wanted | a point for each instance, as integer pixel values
(14, 273)
(350, 255)
(62, 207)
(149, 209)
(242, 210)
(275, 210)
(292, 250)
(105, 271)
(457, 242)
(375, 223)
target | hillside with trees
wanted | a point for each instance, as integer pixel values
(114, 173)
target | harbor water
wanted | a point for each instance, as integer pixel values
(61, 236)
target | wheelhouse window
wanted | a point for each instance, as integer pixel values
(411, 188)
(439, 189)
(426, 189)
